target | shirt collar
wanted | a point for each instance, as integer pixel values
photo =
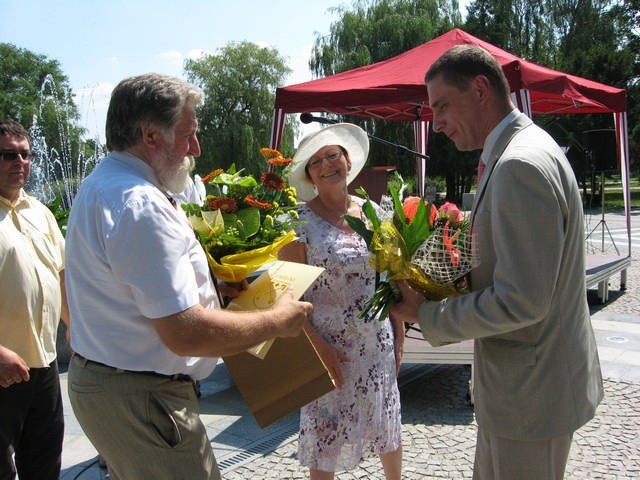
(492, 138)
(137, 164)
(22, 196)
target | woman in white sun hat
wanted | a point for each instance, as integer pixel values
(361, 417)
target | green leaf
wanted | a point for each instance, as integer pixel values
(368, 209)
(416, 232)
(191, 209)
(235, 180)
(250, 218)
(358, 226)
(399, 217)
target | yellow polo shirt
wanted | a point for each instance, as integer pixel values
(31, 257)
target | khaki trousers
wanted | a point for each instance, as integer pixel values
(144, 426)
(505, 459)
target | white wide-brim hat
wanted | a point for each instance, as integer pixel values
(347, 135)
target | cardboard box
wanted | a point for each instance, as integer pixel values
(267, 288)
(278, 376)
(289, 376)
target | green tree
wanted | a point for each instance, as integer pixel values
(32, 86)
(35, 92)
(595, 39)
(235, 122)
(517, 26)
(375, 30)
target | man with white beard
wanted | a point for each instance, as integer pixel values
(194, 190)
(145, 319)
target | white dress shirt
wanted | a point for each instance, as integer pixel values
(131, 256)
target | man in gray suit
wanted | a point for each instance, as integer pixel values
(537, 373)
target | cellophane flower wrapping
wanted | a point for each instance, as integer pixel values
(245, 221)
(410, 239)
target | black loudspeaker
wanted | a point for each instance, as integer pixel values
(602, 146)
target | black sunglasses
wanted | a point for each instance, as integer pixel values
(11, 155)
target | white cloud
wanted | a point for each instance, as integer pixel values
(173, 56)
(196, 54)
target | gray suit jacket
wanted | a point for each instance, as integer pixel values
(537, 372)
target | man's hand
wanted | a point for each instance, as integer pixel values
(406, 311)
(232, 290)
(13, 369)
(291, 314)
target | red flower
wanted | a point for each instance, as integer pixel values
(410, 207)
(272, 181)
(224, 204)
(254, 202)
(452, 213)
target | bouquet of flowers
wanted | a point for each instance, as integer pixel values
(244, 222)
(410, 239)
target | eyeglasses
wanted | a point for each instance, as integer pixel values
(332, 157)
(11, 155)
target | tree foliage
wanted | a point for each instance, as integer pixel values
(595, 39)
(372, 31)
(239, 82)
(33, 86)
(35, 92)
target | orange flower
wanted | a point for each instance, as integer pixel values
(211, 175)
(272, 181)
(410, 207)
(279, 161)
(449, 244)
(269, 152)
(254, 202)
(224, 204)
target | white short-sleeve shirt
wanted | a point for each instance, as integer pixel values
(131, 256)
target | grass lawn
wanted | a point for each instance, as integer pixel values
(613, 194)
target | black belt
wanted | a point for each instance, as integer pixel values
(178, 376)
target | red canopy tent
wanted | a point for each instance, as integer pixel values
(394, 89)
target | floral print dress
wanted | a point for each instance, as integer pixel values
(362, 419)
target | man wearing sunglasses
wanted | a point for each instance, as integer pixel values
(32, 301)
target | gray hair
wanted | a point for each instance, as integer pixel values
(461, 63)
(151, 98)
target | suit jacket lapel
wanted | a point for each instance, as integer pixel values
(493, 157)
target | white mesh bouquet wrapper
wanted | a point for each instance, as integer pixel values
(386, 208)
(446, 255)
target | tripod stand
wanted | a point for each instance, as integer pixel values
(603, 223)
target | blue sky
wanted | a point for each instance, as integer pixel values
(100, 42)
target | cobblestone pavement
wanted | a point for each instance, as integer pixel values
(439, 428)
(439, 436)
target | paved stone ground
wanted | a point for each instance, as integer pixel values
(439, 436)
(439, 428)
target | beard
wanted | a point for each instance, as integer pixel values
(174, 177)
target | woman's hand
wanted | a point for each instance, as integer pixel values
(398, 341)
(332, 359)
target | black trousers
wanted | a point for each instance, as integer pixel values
(32, 425)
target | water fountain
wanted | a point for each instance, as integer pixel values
(57, 174)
